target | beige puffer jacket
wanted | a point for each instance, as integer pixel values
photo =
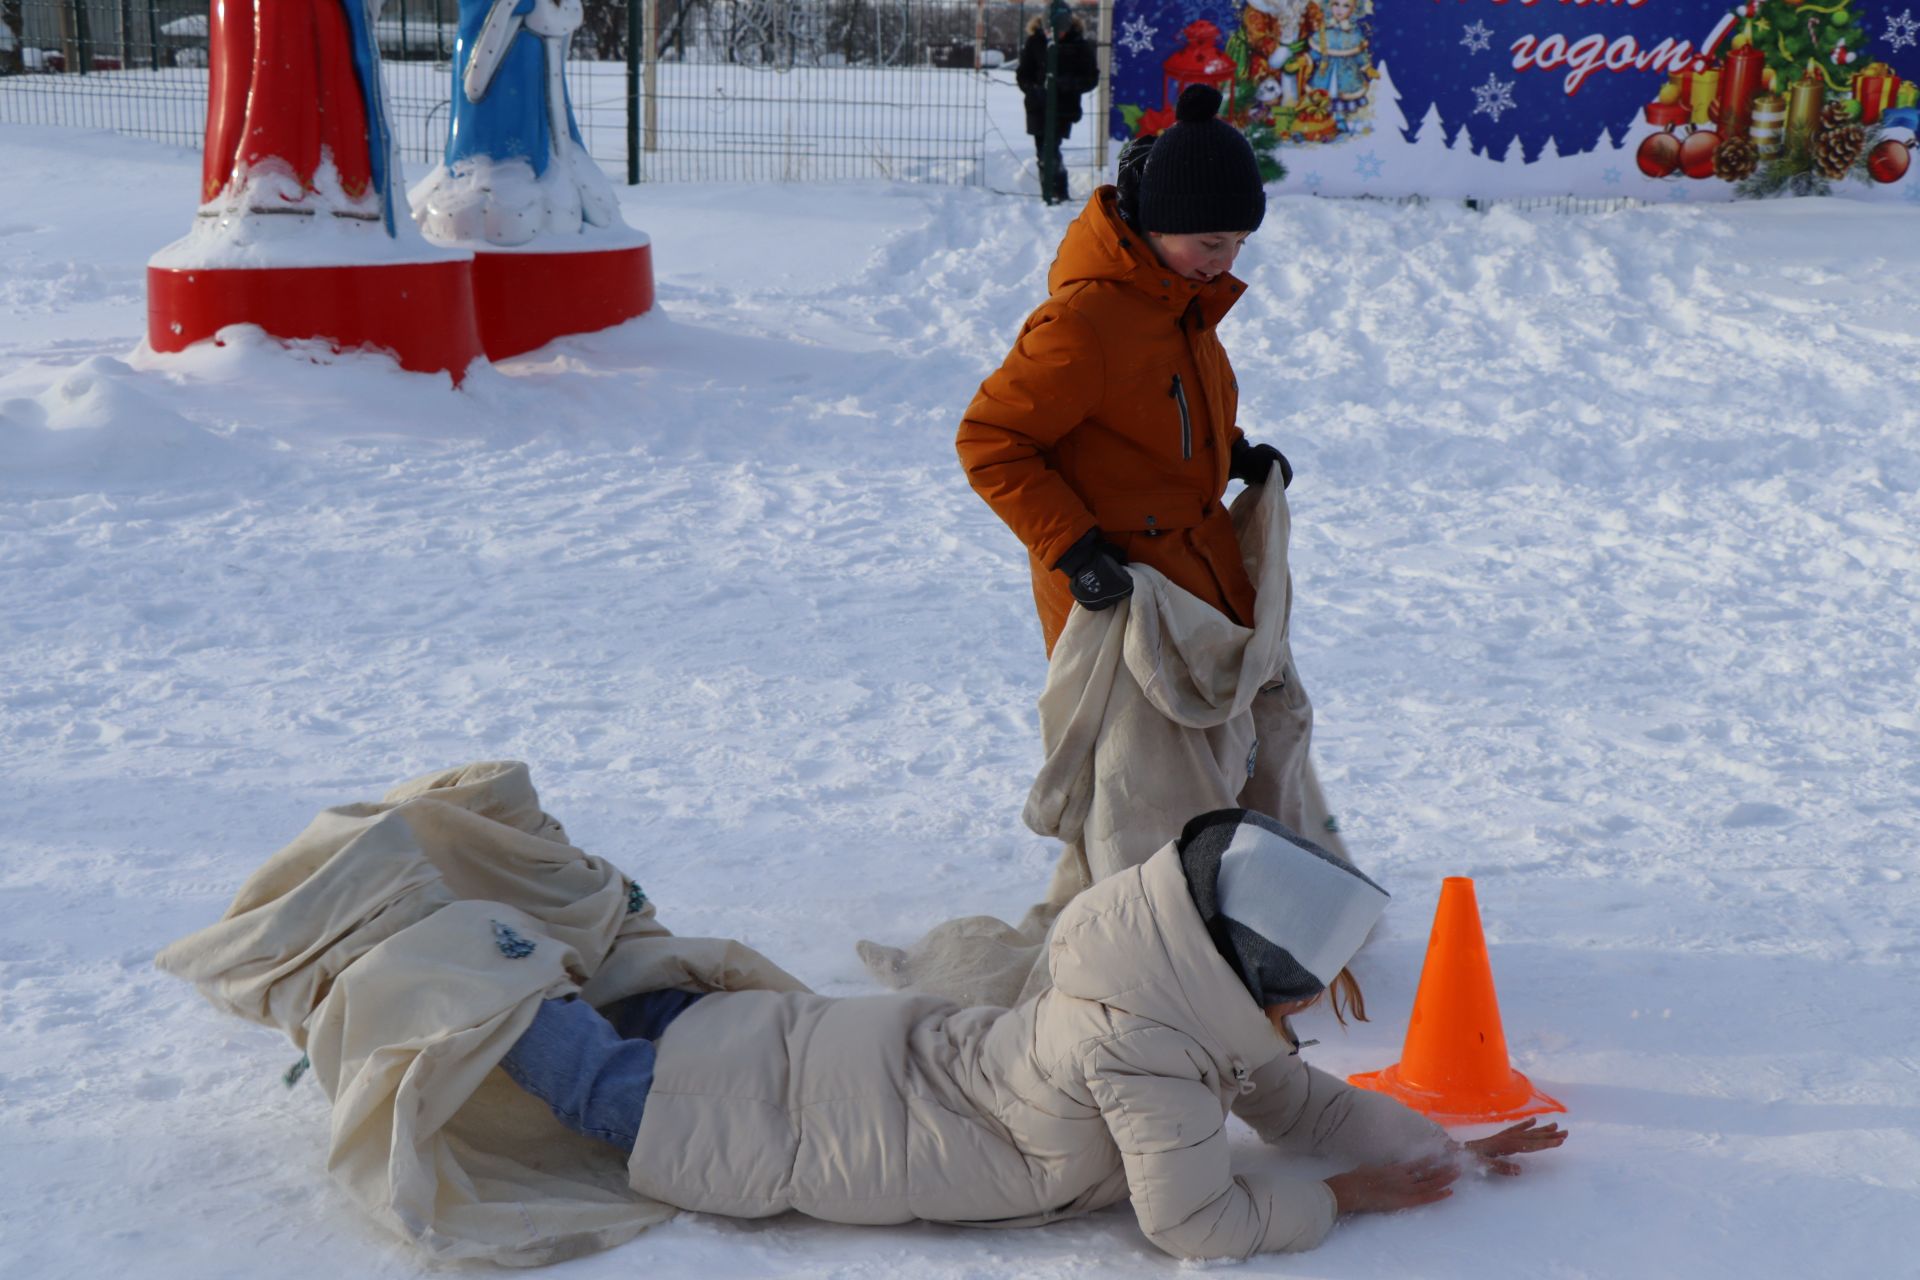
(1114, 1083)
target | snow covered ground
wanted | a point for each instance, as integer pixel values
(1606, 545)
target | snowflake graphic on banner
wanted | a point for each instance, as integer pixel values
(1136, 36)
(1478, 38)
(1493, 98)
(1901, 30)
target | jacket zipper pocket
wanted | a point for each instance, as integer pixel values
(1186, 419)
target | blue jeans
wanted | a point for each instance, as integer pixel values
(593, 1069)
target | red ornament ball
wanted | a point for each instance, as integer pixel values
(1696, 153)
(1888, 162)
(1659, 155)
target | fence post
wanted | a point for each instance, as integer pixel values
(153, 32)
(1105, 53)
(653, 75)
(633, 92)
(11, 16)
(76, 37)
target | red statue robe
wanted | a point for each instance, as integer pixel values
(284, 87)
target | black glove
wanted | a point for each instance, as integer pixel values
(1250, 463)
(1096, 572)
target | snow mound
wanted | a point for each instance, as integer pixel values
(105, 427)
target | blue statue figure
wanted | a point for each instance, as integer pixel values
(515, 167)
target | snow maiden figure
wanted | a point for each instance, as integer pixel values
(551, 254)
(515, 163)
(1342, 67)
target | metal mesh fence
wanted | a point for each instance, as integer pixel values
(792, 90)
(735, 90)
(140, 67)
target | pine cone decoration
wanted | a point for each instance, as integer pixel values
(1735, 160)
(1833, 116)
(1835, 150)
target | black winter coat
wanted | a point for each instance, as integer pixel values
(1079, 73)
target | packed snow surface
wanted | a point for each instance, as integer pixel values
(1606, 549)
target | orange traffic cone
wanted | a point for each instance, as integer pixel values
(1454, 1065)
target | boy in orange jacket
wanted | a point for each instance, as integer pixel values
(1108, 434)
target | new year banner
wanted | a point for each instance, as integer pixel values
(1655, 99)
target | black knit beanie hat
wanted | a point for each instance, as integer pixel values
(1201, 174)
(1286, 914)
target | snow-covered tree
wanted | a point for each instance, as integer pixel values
(1432, 131)
(1386, 105)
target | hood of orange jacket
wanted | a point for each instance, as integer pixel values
(1100, 246)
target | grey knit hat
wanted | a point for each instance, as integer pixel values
(1285, 913)
(1201, 174)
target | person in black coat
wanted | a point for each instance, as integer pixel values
(1078, 73)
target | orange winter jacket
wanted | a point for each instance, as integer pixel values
(1116, 408)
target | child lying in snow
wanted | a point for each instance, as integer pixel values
(1173, 985)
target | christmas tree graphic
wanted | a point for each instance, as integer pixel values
(1798, 38)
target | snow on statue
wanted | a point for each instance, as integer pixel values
(515, 166)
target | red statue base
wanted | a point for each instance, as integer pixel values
(526, 300)
(419, 312)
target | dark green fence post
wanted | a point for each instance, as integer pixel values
(83, 36)
(633, 92)
(153, 32)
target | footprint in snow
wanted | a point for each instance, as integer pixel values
(1753, 814)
